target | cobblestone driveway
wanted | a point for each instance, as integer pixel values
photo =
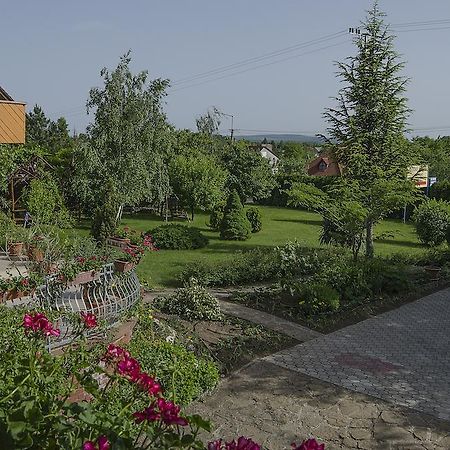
(401, 356)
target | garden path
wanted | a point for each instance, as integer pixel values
(7, 265)
(382, 383)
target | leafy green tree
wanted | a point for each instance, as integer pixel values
(209, 123)
(235, 225)
(250, 174)
(198, 180)
(366, 127)
(129, 129)
(36, 125)
(436, 154)
(294, 157)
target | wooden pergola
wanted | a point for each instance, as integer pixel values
(19, 180)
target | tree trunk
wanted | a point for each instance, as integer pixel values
(192, 213)
(369, 239)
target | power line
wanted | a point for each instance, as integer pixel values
(256, 59)
(259, 66)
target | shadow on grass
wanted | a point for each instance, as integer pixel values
(399, 243)
(304, 221)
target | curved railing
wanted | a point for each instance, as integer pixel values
(108, 297)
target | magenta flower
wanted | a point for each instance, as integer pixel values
(129, 368)
(149, 384)
(114, 352)
(102, 444)
(163, 410)
(215, 445)
(310, 444)
(38, 323)
(242, 443)
(89, 320)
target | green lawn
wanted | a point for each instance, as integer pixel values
(279, 225)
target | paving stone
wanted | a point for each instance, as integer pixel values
(361, 433)
(400, 356)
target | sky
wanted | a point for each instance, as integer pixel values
(53, 51)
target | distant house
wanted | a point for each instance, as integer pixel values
(12, 120)
(323, 166)
(266, 151)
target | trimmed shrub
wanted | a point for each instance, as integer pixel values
(104, 223)
(235, 225)
(216, 217)
(192, 302)
(175, 236)
(432, 221)
(254, 217)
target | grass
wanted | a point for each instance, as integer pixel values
(280, 225)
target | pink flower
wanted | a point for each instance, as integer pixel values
(25, 282)
(149, 414)
(149, 384)
(102, 444)
(310, 444)
(38, 323)
(242, 443)
(89, 320)
(163, 410)
(129, 368)
(114, 352)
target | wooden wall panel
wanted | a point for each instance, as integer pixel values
(12, 122)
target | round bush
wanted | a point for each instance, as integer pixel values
(440, 190)
(192, 302)
(316, 298)
(254, 217)
(432, 221)
(178, 237)
(235, 225)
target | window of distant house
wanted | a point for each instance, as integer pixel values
(322, 166)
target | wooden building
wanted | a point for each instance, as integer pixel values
(12, 120)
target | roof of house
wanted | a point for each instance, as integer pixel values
(5, 96)
(327, 168)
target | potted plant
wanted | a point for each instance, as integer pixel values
(129, 258)
(121, 237)
(20, 286)
(16, 239)
(36, 248)
(81, 270)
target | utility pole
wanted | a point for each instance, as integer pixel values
(232, 128)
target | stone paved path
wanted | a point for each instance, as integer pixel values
(277, 406)
(402, 356)
(271, 322)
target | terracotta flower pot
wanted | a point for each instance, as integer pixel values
(123, 266)
(15, 248)
(15, 293)
(85, 277)
(118, 242)
(35, 254)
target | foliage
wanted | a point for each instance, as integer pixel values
(128, 140)
(316, 298)
(45, 203)
(441, 190)
(198, 180)
(71, 268)
(209, 123)
(216, 216)
(178, 237)
(432, 221)
(365, 129)
(7, 225)
(254, 217)
(192, 302)
(252, 266)
(294, 158)
(435, 153)
(249, 173)
(183, 375)
(235, 225)
(104, 223)
(37, 413)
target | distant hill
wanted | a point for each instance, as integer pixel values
(281, 137)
